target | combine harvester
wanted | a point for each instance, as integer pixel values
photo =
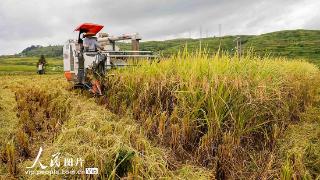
(79, 61)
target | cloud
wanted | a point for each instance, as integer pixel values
(44, 22)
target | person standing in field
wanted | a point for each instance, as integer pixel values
(41, 65)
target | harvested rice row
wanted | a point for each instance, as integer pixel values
(59, 120)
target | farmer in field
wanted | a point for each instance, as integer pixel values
(41, 65)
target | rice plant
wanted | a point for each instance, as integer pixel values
(215, 108)
(65, 121)
(186, 117)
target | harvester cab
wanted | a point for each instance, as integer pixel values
(79, 61)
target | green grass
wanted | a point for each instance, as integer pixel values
(28, 64)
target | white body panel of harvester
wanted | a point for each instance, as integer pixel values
(76, 61)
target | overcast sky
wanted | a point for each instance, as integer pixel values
(44, 22)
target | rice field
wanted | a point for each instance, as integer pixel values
(185, 117)
(28, 64)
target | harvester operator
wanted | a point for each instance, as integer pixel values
(90, 43)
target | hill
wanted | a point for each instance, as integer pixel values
(37, 50)
(290, 43)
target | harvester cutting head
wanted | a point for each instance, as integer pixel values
(98, 54)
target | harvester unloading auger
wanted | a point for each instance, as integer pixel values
(81, 62)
